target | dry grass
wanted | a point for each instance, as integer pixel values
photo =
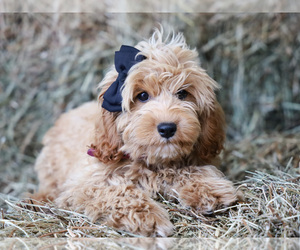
(271, 206)
(51, 63)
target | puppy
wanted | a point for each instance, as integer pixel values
(157, 128)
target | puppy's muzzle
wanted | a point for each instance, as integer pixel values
(166, 130)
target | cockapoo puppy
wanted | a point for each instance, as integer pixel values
(157, 129)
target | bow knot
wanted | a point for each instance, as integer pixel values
(125, 58)
(122, 76)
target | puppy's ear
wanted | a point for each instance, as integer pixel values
(212, 137)
(107, 141)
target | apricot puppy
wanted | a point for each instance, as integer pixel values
(157, 128)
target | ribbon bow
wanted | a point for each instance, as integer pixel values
(125, 58)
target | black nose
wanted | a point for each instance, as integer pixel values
(166, 130)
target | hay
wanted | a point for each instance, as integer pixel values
(268, 152)
(271, 209)
(271, 206)
(48, 221)
(51, 63)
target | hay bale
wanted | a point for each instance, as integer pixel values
(51, 63)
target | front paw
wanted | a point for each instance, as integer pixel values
(150, 221)
(209, 195)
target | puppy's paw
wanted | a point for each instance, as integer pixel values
(208, 196)
(155, 225)
(149, 221)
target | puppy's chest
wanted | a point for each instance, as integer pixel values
(144, 178)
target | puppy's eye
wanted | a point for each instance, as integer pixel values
(182, 94)
(143, 97)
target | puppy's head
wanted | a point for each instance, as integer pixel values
(169, 109)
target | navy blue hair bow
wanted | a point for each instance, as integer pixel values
(125, 58)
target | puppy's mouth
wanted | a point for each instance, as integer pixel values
(167, 150)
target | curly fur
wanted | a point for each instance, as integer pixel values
(120, 190)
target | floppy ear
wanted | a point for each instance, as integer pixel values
(212, 137)
(107, 141)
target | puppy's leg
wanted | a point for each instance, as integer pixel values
(205, 189)
(123, 207)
